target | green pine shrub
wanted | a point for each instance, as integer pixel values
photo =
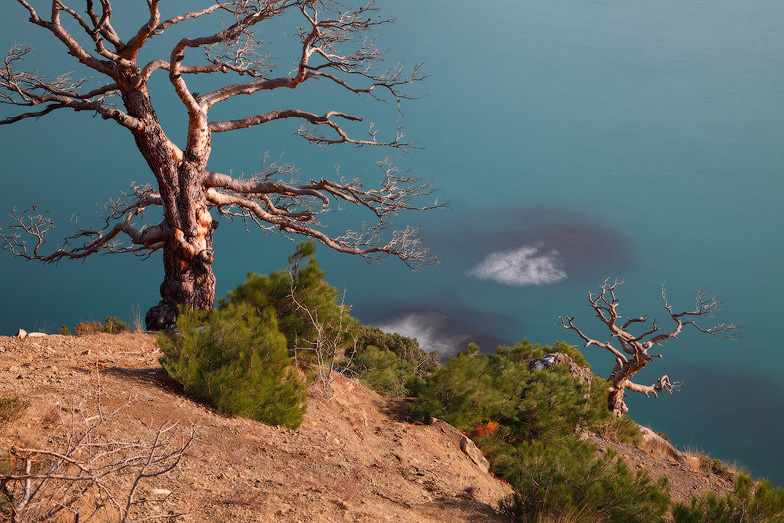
(525, 421)
(236, 359)
(113, 325)
(383, 370)
(565, 481)
(473, 388)
(715, 466)
(749, 502)
(388, 362)
(274, 291)
(405, 348)
(64, 331)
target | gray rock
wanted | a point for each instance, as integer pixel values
(471, 450)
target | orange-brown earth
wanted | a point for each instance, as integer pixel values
(357, 457)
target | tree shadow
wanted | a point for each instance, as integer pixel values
(157, 377)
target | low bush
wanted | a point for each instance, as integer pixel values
(310, 290)
(566, 482)
(237, 360)
(10, 408)
(388, 362)
(524, 418)
(87, 328)
(749, 502)
(405, 348)
(714, 466)
(474, 388)
(112, 325)
(382, 370)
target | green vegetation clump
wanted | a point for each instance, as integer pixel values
(388, 362)
(112, 325)
(525, 420)
(240, 357)
(714, 466)
(473, 388)
(236, 359)
(318, 302)
(565, 481)
(64, 331)
(749, 502)
(10, 408)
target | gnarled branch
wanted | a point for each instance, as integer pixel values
(634, 355)
(26, 234)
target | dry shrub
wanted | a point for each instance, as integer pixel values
(485, 429)
(89, 472)
(11, 408)
(244, 497)
(345, 488)
(87, 328)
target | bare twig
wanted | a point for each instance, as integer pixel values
(91, 473)
(330, 340)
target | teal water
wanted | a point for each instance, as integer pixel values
(576, 140)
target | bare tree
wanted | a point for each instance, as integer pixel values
(633, 356)
(334, 45)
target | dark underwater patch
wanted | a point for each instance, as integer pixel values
(446, 323)
(586, 249)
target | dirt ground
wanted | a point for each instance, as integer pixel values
(356, 457)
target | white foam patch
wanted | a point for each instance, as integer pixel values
(425, 328)
(520, 267)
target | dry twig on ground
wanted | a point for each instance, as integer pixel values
(92, 472)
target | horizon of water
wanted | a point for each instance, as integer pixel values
(575, 141)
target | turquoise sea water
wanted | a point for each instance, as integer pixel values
(576, 140)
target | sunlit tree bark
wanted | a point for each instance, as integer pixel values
(632, 354)
(334, 46)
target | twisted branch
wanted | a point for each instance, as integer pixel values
(633, 355)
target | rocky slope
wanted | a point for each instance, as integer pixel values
(357, 457)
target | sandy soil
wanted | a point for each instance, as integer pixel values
(357, 457)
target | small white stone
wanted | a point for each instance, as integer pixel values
(22, 334)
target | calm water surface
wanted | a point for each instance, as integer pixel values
(576, 140)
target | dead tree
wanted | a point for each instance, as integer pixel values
(334, 46)
(633, 356)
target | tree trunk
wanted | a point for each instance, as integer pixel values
(188, 280)
(615, 402)
(187, 253)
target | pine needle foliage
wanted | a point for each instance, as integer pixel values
(473, 388)
(405, 348)
(387, 362)
(565, 481)
(749, 502)
(309, 288)
(236, 359)
(535, 413)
